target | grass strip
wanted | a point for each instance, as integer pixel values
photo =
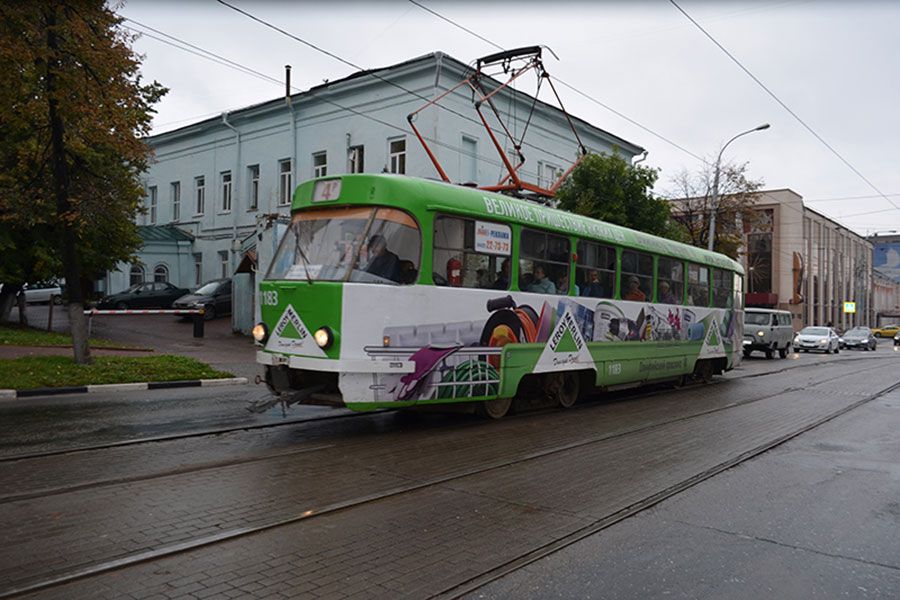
(31, 372)
(15, 335)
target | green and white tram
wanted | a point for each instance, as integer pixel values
(391, 292)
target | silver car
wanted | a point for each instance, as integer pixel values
(817, 339)
(860, 338)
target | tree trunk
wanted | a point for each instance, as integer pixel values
(23, 317)
(71, 266)
(8, 300)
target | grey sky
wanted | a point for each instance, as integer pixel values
(834, 64)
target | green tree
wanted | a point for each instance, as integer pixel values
(691, 199)
(609, 188)
(73, 114)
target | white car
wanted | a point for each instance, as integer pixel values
(43, 292)
(817, 339)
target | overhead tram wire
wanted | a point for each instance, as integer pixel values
(784, 106)
(566, 85)
(180, 44)
(368, 72)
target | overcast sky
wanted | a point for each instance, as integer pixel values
(834, 64)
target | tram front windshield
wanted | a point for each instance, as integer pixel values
(362, 245)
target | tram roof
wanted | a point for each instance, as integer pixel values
(419, 195)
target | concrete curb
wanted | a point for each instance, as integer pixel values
(121, 387)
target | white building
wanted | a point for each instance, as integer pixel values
(222, 182)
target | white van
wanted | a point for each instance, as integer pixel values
(768, 331)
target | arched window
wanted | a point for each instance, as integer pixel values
(161, 274)
(136, 275)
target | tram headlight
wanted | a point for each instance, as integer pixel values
(324, 338)
(260, 332)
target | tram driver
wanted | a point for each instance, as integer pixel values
(382, 262)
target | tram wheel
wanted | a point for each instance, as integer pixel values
(494, 409)
(703, 371)
(564, 387)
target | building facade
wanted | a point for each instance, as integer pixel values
(799, 260)
(886, 262)
(226, 183)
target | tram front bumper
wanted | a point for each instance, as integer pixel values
(343, 365)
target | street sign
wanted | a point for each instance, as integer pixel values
(849, 307)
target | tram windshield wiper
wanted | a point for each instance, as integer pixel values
(305, 260)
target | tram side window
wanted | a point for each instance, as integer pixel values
(544, 263)
(722, 288)
(669, 281)
(471, 254)
(595, 271)
(637, 276)
(698, 285)
(738, 292)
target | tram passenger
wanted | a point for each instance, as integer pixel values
(541, 285)
(634, 292)
(502, 282)
(665, 294)
(593, 287)
(382, 262)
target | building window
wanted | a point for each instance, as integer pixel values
(356, 159)
(397, 156)
(548, 174)
(175, 189)
(284, 182)
(198, 269)
(161, 274)
(153, 204)
(200, 194)
(136, 275)
(320, 164)
(223, 260)
(253, 172)
(226, 191)
(469, 160)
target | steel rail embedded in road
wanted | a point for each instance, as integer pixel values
(479, 580)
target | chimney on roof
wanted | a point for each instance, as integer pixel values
(287, 83)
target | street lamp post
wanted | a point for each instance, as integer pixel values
(715, 198)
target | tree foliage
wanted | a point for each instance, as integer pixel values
(609, 188)
(73, 112)
(691, 197)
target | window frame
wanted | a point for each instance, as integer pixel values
(226, 180)
(136, 268)
(690, 295)
(397, 160)
(493, 258)
(544, 261)
(356, 159)
(580, 254)
(716, 297)
(175, 193)
(285, 181)
(623, 273)
(253, 191)
(153, 201)
(161, 268)
(320, 169)
(658, 278)
(198, 268)
(199, 195)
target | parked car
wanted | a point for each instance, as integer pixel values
(43, 291)
(144, 295)
(860, 338)
(886, 331)
(818, 339)
(213, 296)
(767, 331)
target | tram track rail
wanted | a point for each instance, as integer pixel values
(251, 427)
(477, 581)
(630, 395)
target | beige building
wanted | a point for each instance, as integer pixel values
(800, 260)
(885, 299)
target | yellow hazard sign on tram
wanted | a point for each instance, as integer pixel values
(849, 307)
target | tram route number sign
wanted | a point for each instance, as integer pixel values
(493, 238)
(849, 308)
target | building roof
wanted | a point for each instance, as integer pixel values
(163, 233)
(378, 74)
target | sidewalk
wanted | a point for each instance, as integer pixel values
(164, 334)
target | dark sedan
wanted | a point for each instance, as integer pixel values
(860, 338)
(144, 295)
(213, 296)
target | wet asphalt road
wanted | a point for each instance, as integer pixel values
(379, 506)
